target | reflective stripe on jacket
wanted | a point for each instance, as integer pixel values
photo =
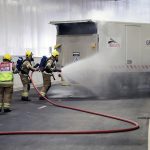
(6, 72)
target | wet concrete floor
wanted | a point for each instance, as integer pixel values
(40, 115)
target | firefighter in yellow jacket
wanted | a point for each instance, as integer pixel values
(48, 70)
(6, 82)
(24, 75)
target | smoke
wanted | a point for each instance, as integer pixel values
(95, 72)
(92, 73)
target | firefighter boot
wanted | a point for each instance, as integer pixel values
(23, 98)
(42, 98)
(7, 110)
(0, 107)
(7, 107)
(42, 95)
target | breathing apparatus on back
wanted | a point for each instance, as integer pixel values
(29, 57)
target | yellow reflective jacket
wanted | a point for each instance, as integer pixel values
(6, 73)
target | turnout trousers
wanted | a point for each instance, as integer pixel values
(46, 84)
(5, 96)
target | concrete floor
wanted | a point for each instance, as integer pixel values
(39, 115)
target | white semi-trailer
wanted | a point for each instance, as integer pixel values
(130, 43)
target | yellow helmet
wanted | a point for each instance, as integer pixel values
(55, 53)
(57, 46)
(7, 57)
(28, 53)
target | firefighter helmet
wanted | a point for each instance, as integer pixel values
(55, 53)
(7, 57)
(28, 53)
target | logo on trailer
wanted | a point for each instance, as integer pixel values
(148, 42)
(113, 43)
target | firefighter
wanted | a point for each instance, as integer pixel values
(24, 75)
(6, 82)
(48, 70)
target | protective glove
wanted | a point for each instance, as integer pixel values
(57, 70)
(37, 69)
(36, 65)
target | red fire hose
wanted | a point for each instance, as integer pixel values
(134, 124)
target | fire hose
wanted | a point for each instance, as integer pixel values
(135, 125)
